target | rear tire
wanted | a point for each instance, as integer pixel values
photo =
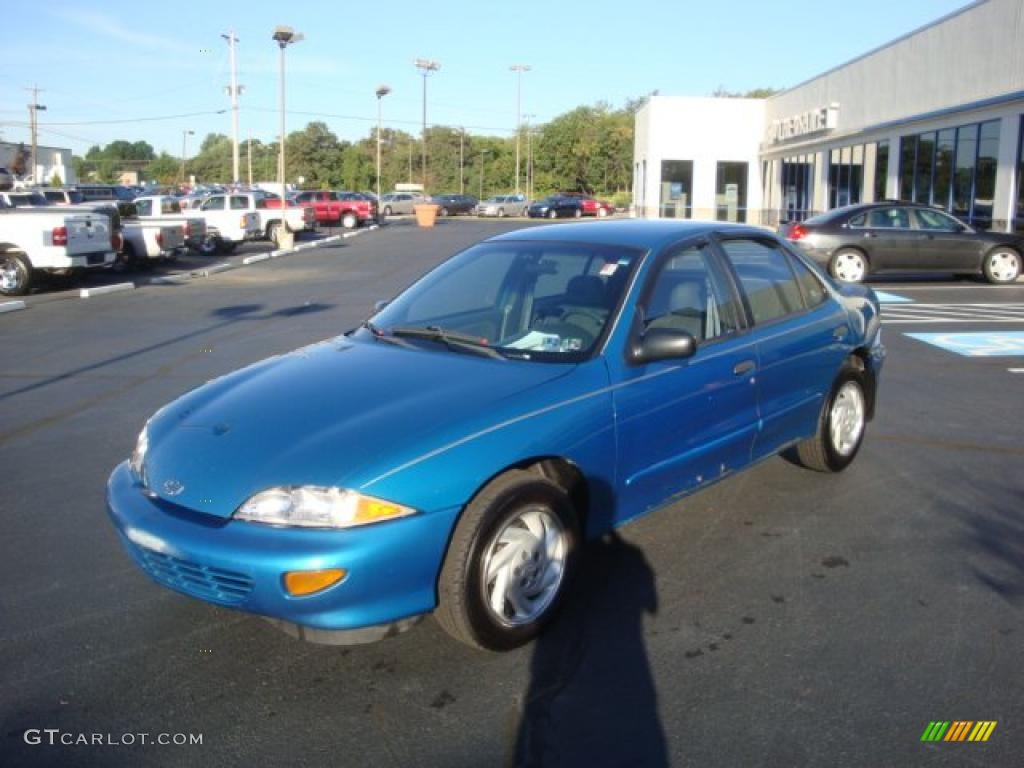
(442, 211)
(1002, 265)
(16, 278)
(579, 213)
(841, 424)
(126, 260)
(349, 220)
(849, 265)
(510, 562)
(602, 212)
(226, 246)
(501, 213)
(274, 233)
(210, 245)
(387, 210)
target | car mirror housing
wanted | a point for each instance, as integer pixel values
(380, 304)
(662, 344)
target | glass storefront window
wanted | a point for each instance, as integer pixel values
(676, 189)
(1018, 219)
(845, 175)
(881, 169)
(985, 174)
(797, 188)
(731, 192)
(954, 169)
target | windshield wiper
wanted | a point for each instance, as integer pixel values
(454, 340)
(380, 335)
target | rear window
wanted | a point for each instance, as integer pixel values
(169, 206)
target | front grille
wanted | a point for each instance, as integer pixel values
(202, 581)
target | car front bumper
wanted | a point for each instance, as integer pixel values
(392, 567)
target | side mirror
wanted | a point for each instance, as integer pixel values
(379, 305)
(662, 344)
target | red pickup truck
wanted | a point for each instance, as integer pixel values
(349, 209)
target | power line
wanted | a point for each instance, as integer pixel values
(153, 118)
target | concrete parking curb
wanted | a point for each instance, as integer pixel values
(224, 266)
(256, 258)
(88, 293)
(12, 306)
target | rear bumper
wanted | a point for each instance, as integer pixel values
(392, 568)
(97, 260)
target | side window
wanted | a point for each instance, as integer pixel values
(214, 204)
(767, 279)
(689, 293)
(810, 285)
(239, 203)
(144, 207)
(859, 220)
(889, 218)
(935, 221)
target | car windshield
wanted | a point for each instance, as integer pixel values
(546, 301)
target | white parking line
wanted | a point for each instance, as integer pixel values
(87, 293)
(1015, 370)
(953, 313)
(12, 306)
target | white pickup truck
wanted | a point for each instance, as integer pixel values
(34, 240)
(166, 210)
(230, 219)
(146, 242)
(268, 210)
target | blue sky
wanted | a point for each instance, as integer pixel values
(133, 61)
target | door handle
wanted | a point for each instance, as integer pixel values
(840, 332)
(868, 234)
(740, 369)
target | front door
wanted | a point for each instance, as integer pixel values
(683, 423)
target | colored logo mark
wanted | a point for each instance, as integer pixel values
(985, 344)
(958, 730)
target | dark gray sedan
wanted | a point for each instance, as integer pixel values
(857, 240)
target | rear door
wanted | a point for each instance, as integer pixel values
(942, 244)
(801, 337)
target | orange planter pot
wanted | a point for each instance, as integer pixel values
(426, 214)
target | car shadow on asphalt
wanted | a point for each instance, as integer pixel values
(591, 698)
(997, 537)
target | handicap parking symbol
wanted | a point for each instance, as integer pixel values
(982, 344)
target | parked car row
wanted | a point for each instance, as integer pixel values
(566, 204)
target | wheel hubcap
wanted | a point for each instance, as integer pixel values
(9, 275)
(846, 421)
(523, 566)
(850, 267)
(1004, 266)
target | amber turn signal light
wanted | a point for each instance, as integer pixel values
(300, 583)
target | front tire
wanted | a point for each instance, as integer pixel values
(579, 213)
(349, 220)
(510, 562)
(552, 214)
(1002, 266)
(387, 210)
(501, 213)
(841, 424)
(848, 265)
(15, 275)
(602, 212)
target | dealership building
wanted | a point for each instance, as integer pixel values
(935, 116)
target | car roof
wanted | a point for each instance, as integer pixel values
(636, 233)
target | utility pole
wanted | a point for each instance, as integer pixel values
(184, 136)
(33, 115)
(234, 90)
(462, 160)
(519, 69)
(381, 92)
(529, 157)
(425, 66)
(249, 158)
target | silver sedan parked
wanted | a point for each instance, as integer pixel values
(503, 205)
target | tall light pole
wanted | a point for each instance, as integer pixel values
(184, 137)
(382, 91)
(33, 115)
(519, 69)
(234, 91)
(483, 157)
(283, 36)
(529, 156)
(425, 66)
(462, 160)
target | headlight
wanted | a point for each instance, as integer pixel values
(317, 507)
(138, 462)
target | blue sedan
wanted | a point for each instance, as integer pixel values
(452, 453)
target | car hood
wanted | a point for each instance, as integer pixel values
(336, 413)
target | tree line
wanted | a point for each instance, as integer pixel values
(588, 149)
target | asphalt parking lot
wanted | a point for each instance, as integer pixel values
(780, 618)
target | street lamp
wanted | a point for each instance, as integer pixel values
(519, 69)
(184, 137)
(382, 91)
(483, 156)
(529, 156)
(425, 66)
(283, 36)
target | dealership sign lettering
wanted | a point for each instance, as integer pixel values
(812, 121)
